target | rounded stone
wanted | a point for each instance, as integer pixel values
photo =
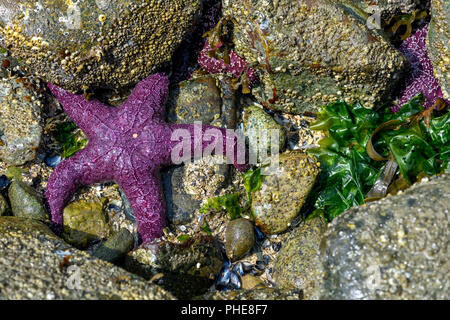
(84, 223)
(92, 43)
(239, 238)
(25, 202)
(284, 191)
(116, 247)
(250, 282)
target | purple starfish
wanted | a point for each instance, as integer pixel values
(128, 145)
(421, 77)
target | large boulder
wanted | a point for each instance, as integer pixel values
(438, 43)
(35, 264)
(395, 248)
(92, 43)
(310, 53)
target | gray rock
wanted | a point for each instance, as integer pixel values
(186, 270)
(310, 53)
(35, 264)
(180, 206)
(25, 202)
(395, 248)
(116, 247)
(284, 191)
(298, 264)
(20, 120)
(438, 40)
(256, 294)
(95, 43)
(4, 206)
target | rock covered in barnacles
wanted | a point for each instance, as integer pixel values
(438, 43)
(284, 191)
(20, 120)
(95, 43)
(310, 53)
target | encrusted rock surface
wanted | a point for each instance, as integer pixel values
(298, 264)
(310, 53)
(92, 43)
(284, 192)
(20, 120)
(395, 248)
(35, 264)
(438, 42)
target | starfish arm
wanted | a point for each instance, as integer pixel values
(88, 115)
(144, 192)
(83, 168)
(147, 101)
(204, 137)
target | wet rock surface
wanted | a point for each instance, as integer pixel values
(438, 40)
(310, 53)
(20, 120)
(84, 223)
(284, 192)
(258, 294)
(35, 264)
(395, 248)
(186, 270)
(116, 247)
(239, 238)
(25, 202)
(91, 43)
(298, 264)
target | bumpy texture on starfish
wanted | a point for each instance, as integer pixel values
(421, 77)
(127, 145)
